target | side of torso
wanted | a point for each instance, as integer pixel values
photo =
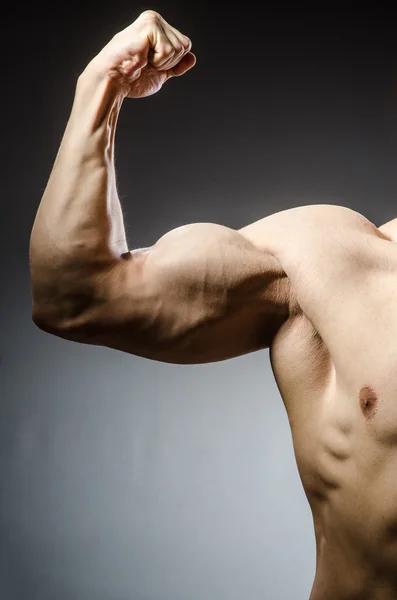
(339, 342)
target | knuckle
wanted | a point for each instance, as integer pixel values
(140, 59)
(150, 15)
(187, 43)
(165, 50)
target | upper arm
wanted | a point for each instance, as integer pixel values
(202, 293)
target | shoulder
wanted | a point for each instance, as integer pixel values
(296, 235)
(314, 244)
(308, 218)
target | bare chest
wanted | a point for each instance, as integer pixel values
(335, 359)
(335, 363)
(342, 408)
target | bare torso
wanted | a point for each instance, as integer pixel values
(334, 355)
(335, 363)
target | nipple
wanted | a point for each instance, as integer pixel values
(368, 401)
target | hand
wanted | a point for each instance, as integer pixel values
(142, 57)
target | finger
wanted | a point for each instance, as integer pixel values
(161, 50)
(185, 41)
(179, 50)
(187, 62)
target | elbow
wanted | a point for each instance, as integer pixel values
(51, 322)
(67, 303)
(58, 312)
(45, 320)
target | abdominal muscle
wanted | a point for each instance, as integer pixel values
(344, 431)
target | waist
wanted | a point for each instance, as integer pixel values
(355, 522)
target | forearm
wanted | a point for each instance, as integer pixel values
(78, 236)
(79, 231)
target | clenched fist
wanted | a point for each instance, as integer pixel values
(143, 56)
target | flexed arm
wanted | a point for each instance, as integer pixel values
(202, 293)
(78, 233)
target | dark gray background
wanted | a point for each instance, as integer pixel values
(129, 479)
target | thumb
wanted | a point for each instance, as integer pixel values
(186, 63)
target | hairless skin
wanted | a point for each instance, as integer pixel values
(315, 284)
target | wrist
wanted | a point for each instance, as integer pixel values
(97, 79)
(97, 96)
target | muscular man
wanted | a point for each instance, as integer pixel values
(316, 284)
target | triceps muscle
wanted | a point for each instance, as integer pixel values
(202, 293)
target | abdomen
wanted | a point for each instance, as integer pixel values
(336, 368)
